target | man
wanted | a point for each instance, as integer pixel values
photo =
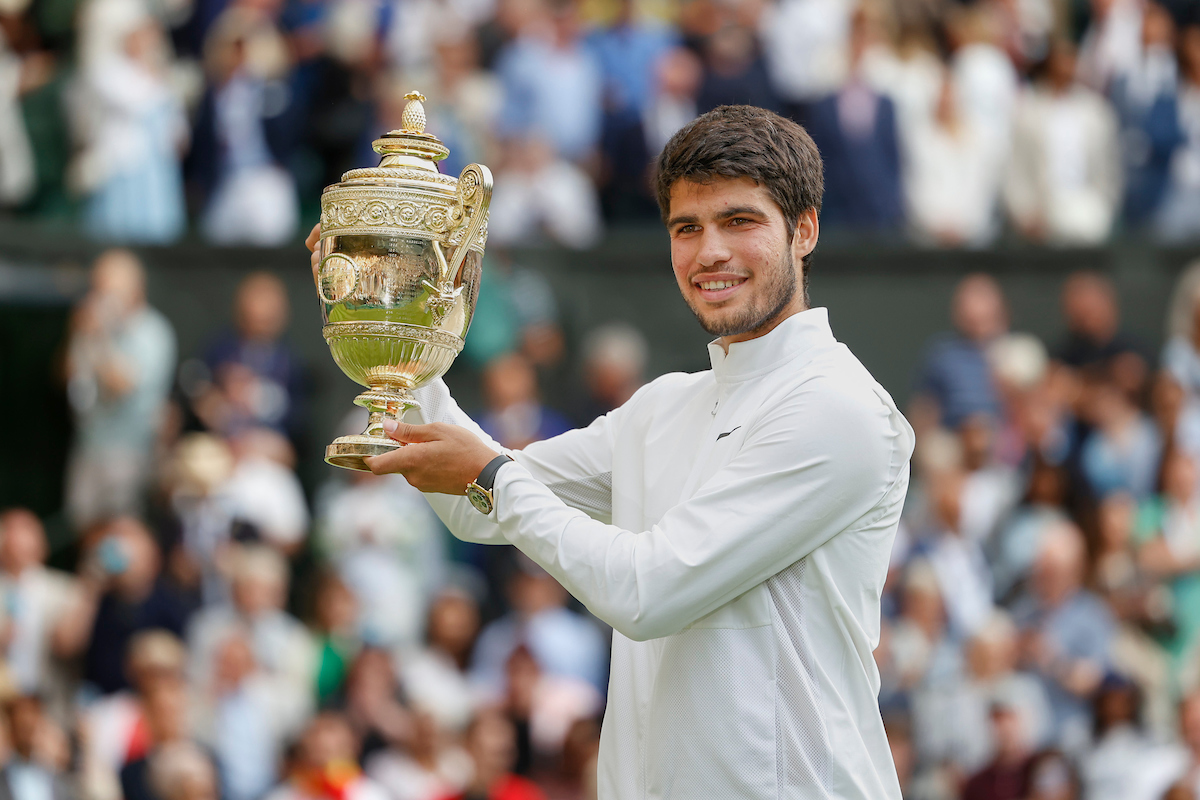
(734, 525)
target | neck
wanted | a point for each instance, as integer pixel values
(764, 329)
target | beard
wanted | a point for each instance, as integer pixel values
(777, 293)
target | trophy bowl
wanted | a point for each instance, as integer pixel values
(400, 259)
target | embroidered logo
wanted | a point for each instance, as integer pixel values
(721, 436)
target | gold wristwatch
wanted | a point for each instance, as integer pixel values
(479, 491)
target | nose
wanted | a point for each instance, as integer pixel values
(713, 248)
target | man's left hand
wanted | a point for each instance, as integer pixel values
(435, 458)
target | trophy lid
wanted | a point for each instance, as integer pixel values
(411, 146)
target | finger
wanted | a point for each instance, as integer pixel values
(404, 432)
(314, 236)
(398, 460)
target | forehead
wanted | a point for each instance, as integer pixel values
(718, 194)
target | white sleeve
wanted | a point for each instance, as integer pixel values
(809, 468)
(575, 466)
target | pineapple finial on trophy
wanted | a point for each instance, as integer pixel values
(413, 118)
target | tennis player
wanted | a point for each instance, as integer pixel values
(733, 526)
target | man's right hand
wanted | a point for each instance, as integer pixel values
(314, 238)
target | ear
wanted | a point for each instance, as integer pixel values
(804, 239)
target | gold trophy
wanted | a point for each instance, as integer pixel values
(401, 252)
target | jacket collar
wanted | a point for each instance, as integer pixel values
(796, 336)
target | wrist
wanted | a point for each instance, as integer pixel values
(480, 490)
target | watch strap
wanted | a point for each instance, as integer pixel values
(487, 476)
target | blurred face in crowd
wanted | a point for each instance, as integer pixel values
(978, 309)
(165, 702)
(976, 434)
(732, 258)
(1008, 729)
(337, 608)
(1051, 779)
(1158, 28)
(491, 741)
(1189, 53)
(233, 662)
(1060, 65)
(453, 623)
(22, 541)
(534, 593)
(118, 283)
(261, 307)
(1058, 569)
(327, 740)
(1090, 307)
(131, 557)
(1179, 477)
(509, 380)
(1189, 722)
(1114, 520)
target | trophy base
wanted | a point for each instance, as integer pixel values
(348, 452)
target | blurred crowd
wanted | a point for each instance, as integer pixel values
(216, 630)
(950, 122)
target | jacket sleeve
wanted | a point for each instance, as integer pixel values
(576, 466)
(811, 467)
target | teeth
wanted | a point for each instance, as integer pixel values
(713, 285)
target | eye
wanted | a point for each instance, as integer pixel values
(686, 229)
(739, 220)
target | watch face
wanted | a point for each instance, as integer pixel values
(480, 499)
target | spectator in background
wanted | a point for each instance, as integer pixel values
(491, 742)
(954, 380)
(673, 100)
(1067, 633)
(1124, 763)
(1187, 755)
(255, 376)
(806, 44)
(133, 129)
(165, 703)
(1122, 450)
(1112, 43)
(122, 593)
(952, 179)
(434, 677)
(1051, 777)
(264, 493)
(34, 604)
(32, 770)
(335, 631)
(540, 195)
(856, 132)
(429, 767)
(183, 771)
(734, 73)
(116, 726)
(514, 415)
(986, 83)
(281, 647)
(18, 176)
(1178, 218)
(552, 84)
(614, 367)
(120, 363)
(1094, 336)
(1168, 532)
(385, 543)
(1064, 180)
(563, 643)
(1145, 101)
(250, 199)
(628, 52)
(1004, 777)
(325, 765)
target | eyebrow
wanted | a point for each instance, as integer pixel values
(736, 211)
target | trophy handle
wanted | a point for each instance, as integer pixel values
(474, 197)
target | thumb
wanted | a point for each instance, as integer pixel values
(404, 432)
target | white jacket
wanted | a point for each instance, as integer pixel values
(734, 528)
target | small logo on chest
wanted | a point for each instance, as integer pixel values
(721, 436)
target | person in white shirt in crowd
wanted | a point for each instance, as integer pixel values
(434, 677)
(952, 178)
(542, 196)
(806, 44)
(733, 525)
(1112, 43)
(120, 364)
(388, 547)
(1125, 762)
(1179, 215)
(263, 489)
(34, 602)
(1064, 180)
(18, 176)
(428, 766)
(280, 645)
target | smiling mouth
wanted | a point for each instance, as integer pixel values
(712, 286)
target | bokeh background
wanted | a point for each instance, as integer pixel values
(193, 606)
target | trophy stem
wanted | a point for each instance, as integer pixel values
(381, 402)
